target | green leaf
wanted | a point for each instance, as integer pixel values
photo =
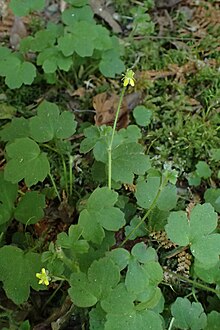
(136, 280)
(187, 315)
(213, 321)
(194, 179)
(139, 232)
(72, 241)
(146, 192)
(16, 72)
(49, 123)
(24, 7)
(203, 170)
(119, 301)
(82, 292)
(100, 213)
(26, 162)
(8, 195)
(72, 15)
(81, 40)
(120, 257)
(105, 273)
(52, 59)
(30, 208)
(7, 111)
(142, 115)
(215, 154)
(18, 272)
(178, 229)
(17, 128)
(111, 64)
(97, 318)
(143, 253)
(212, 196)
(168, 198)
(204, 245)
(129, 159)
(208, 274)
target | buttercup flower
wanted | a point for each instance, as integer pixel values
(43, 276)
(128, 78)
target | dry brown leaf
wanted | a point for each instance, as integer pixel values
(106, 105)
(18, 31)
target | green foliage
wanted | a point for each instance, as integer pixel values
(26, 161)
(128, 156)
(49, 124)
(198, 232)
(23, 7)
(187, 315)
(142, 115)
(100, 214)
(8, 195)
(17, 272)
(30, 208)
(15, 70)
(212, 196)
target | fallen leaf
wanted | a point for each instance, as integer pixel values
(18, 31)
(101, 10)
(106, 105)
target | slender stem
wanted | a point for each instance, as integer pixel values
(71, 174)
(55, 187)
(171, 323)
(65, 174)
(152, 206)
(112, 139)
(51, 297)
(194, 283)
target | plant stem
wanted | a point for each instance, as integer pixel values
(55, 187)
(152, 206)
(52, 295)
(65, 174)
(112, 139)
(71, 174)
(171, 323)
(194, 283)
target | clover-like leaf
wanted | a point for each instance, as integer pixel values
(142, 115)
(203, 170)
(213, 321)
(17, 128)
(129, 159)
(188, 315)
(49, 123)
(52, 59)
(111, 64)
(26, 161)
(18, 272)
(212, 196)
(72, 241)
(82, 292)
(105, 273)
(8, 195)
(72, 15)
(30, 208)
(100, 214)
(16, 71)
(81, 39)
(23, 7)
(198, 232)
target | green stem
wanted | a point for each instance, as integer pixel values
(112, 139)
(171, 323)
(65, 174)
(55, 187)
(51, 297)
(194, 283)
(71, 174)
(152, 206)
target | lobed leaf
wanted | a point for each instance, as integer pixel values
(8, 195)
(26, 162)
(18, 272)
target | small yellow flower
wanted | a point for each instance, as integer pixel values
(43, 276)
(128, 78)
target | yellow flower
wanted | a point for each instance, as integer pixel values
(128, 78)
(43, 276)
